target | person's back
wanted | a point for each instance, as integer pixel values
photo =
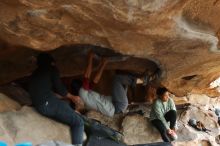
(40, 85)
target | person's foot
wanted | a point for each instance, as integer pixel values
(173, 136)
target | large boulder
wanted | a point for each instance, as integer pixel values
(198, 99)
(114, 122)
(135, 128)
(28, 125)
(203, 100)
(194, 143)
(207, 117)
(16, 92)
(138, 130)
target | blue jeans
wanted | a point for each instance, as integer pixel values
(61, 111)
(119, 91)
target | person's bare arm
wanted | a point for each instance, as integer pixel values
(88, 70)
(100, 70)
(76, 100)
(73, 98)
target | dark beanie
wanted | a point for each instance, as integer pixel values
(44, 59)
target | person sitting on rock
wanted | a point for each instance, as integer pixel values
(44, 83)
(164, 111)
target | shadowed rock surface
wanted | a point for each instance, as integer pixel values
(181, 37)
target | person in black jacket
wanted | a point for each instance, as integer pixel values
(44, 83)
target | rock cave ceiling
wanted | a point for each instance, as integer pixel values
(180, 36)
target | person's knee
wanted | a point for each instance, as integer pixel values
(172, 112)
(125, 106)
(81, 122)
(108, 113)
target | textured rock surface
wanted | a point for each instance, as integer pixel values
(7, 104)
(28, 125)
(138, 130)
(135, 128)
(207, 117)
(17, 93)
(114, 122)
(203, 100)
(194, 143)
(180, 36)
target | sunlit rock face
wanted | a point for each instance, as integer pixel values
(27, 125)
(181, 36)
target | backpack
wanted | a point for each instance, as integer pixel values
(198, 125)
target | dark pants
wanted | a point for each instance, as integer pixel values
(170, 117)
(60, 111)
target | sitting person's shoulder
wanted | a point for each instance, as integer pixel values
(157, 102)
(170, 99)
